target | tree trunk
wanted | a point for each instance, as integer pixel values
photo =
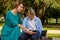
(56, 20)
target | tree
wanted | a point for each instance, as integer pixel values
(44, 8)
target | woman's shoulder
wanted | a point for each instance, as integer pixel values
(37, 18)
(8, 12)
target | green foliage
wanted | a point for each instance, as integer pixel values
(29, 3)
(52, 7)
(5, 6)
(52, 12)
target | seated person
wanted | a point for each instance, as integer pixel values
(32, 23)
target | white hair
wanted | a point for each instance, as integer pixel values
(31, 10)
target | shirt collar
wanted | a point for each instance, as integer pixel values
(33, 19)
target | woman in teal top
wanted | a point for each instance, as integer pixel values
(11, 29)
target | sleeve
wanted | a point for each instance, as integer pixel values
(10, 19)
(40, 26)
(24, 24)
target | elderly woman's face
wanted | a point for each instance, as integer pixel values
(20, 8)
(31, 16)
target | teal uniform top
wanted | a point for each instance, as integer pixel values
(10, 30)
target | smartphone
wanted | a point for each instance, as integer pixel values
(34, 31)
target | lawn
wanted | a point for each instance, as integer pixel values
(53, 28)
(53, 35)
(1, 24)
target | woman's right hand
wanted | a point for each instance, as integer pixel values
(30, 32)
(27, 31)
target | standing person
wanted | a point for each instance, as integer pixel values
(32, 23)
(11, 29)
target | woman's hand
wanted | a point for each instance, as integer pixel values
(26, 30)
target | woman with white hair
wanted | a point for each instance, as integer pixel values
(32, 23)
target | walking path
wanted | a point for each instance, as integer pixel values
(53, 31)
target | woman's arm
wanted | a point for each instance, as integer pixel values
(27, 31)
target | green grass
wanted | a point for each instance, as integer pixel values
(0, 32)
(53, 35)
(1, 24)
(53, 28)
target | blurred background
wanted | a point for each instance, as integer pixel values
(47, 10)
